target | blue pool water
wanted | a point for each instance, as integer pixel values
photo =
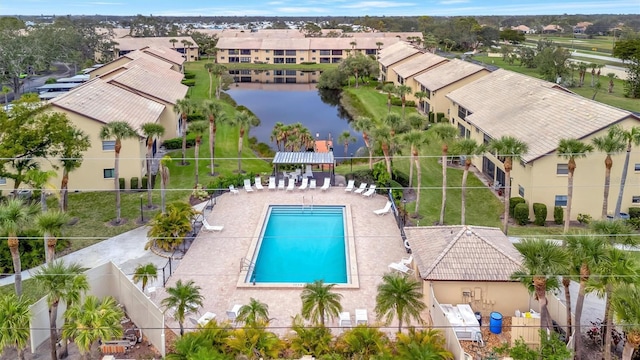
(302, 245)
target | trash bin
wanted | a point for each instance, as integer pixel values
(624, 216)
(479, 317)
(495, 323)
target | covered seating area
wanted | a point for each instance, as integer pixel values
(304, 165)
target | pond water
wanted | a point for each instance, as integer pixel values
(318, 111)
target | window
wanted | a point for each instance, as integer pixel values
(245, 72)
(635, 199)
(109, 173)
(301, 59)
(336, 52)
(486, 139)
(108, 145)
(3, 181)
(278, 52)
(325, 52)
(335, 60)
(233, 52)
(278, 72)
(562, 169)
(245, 52)
(290, 72)
(278, 60)
(521, 191)
(313, 51)
(290, 53)
(234, 59)
(561, 200)
(245, 59)
(291, 60)
(636, 167)
(325, 60)
(370, 51)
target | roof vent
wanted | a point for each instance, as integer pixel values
(469, 232)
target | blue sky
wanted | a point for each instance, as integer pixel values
(318, 7)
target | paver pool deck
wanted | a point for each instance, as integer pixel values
(213, 261)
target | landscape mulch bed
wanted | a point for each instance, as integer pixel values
(491, 340)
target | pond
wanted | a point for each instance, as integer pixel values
(320, 112)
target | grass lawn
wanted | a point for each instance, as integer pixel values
(367, 101)
(30, 290)
(601, 44)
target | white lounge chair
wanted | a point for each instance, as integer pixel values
(207, 227)
(407, 260)
(281, 184)
(258, 183)
(272, 183)
(233, 190)
(370, 192)
(291, 185)
(312, 184)
(305, 183)
(350, 186)
(307, 172)
(401, 267)
(344, 319)
(233, 313)
(204, 319)
(384, 210)
(326, 185)
(361, 317)
(361, 189)
(247, 185)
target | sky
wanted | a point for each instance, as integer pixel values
(317, 7)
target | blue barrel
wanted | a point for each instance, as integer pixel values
(495, 323)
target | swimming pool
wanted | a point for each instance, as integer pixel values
(300, 245)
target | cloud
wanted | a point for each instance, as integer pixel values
(276, 3)
(451, 2)
(376, 4)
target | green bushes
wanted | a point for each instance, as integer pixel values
(558, 215)
(431, 117)
(512, 204)
(584, 218)
(176, 143)
(398, 102)
(222, 183)
(121, 183)
(634, 213)
(189, 75)
(134, 183)
(144, 182)
(189, 82)
(400, 177)
(363, 176)
(540, 213)
(521, 213)
(396, 190)
(439, 117)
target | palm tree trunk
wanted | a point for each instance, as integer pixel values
(579, 306)
(608, 322)
(400, 313)
(14, 243)
(403, 101)
(387, 158)
(20, 353)
(389, 104)
(444, 187)
(51, 242)
(218, 87)
(507, 194)
(419, 183)
(566, 282)
(540, 290)
(411, 165)
(117, 185)
(607, 183)
(627, 350)
(463, 195)
(64, 193)
(149, 198)
(197, 152)
(365, 137)
(567, 218)
(623, 180)
(43, 200)
(163, 187)
(212, 140)
(181, 328)
(210, 83)
(240, 154)
(184, 141)
(53, 331)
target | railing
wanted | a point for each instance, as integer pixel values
(399, 221)
(166, 274)
(248, 266)
(304, 202)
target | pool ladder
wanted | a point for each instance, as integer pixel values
(306, 205)
(247, 265)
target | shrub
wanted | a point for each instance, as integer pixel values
(540, 213)
(634, 223)
(222, 183)
(584, 218)
(200, 193)
(431, 117)
(400, 177)
(512, 204)
(396, 190)
(228, 99)
(121, 183)
(51, 81)
(176, 143)
(634, 213)
(308, 63)
(189, 75)
(189, 82)
(134, 183)
(558, 215)
(521, 213)
(363, 176)
(398, 102)
(144, 182)
(439, 117)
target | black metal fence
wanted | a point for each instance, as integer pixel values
(400, 221)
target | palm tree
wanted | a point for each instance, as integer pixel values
(403, 91)
(145, 273)
(218, 71)
(467, 148)
(167, 230)
(416, 139)
(631, 137)
(365, 126)
(150, 131)
(277, 134)
(611, 143)
(389, 88)
(50, 223)
(422, 345)
(420, 95)
(119, 130)
(40, 180)
(611, 77)
(364, 342)
(254, 342)
(15, 317)
(345, 138)
(445, 133)
(244, 121)
(541, 260)
(625, 307)
(255, 312)
(416, 122)
(510, 149)
(382, 135)
(399, 296)
(173, 42)
(198, 128)
(210, 67)
(310, 340)
(60, 282)
(571, 149)
(71, 159)
(163, 170)
(184, 298)
(318, 302)
(184, 108)
(213, 110)
(378, 45)
(92, 321)
(14, 216)
(585, 252)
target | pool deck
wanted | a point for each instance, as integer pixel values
(213, 261)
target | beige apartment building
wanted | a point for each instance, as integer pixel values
(396, 55)
(406, 73)
(185, 46)
(141, 58)
(540, 114)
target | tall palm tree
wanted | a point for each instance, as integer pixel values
(277, 134)
(244, 121)
(150, 131)
(14, 216)
(399, 296)
(253, 313)
(420, 95)
(382, 135)
(318, 302)
(184, 107)
(446, 134)
(50, 223)
(403, 91)
(213, 110)
(611, 143)
(467, 148)
(92, 321)
(396, 125)
(167, 230)
(184, 298)
(40, 180)
(389, 88)
(541, 261)
(71, 159)
(198, 128)
(118, 130)
(145, 273)
(416, 139)
(631, 137)
(625, 307)
(585, 253)
(209, 67)
(345, 138)
(415, 122)
(423, 345)
(218, 71)
(365, 126)
(163, 171)
(15, 318)
(60, 282)
(510, 149)
(571, 149)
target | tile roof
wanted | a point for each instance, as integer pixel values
(446, 74)
(463, 253)
(397, 52)
(133, 43)
(103, 102)
(166, 53)
(157, 85)
(418, 64)
(140, 55)
(538, 112)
